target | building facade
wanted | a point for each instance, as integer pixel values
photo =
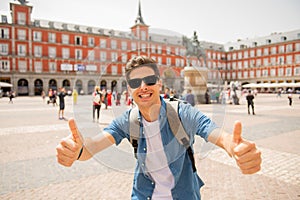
(37, 55)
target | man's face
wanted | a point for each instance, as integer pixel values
(144, 95)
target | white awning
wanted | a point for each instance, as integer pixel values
(4, 84)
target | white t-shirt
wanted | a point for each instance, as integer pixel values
(156, 162)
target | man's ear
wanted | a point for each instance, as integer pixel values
(159, 84)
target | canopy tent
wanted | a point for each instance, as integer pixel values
(4, 84)
(271, 85)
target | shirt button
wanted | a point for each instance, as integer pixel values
(152, 183)
(145, 149)
(143, 164)
(148, 198)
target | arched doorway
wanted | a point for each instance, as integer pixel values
(103, 85)
(23, 89)
(91, 86)
(52, 85)
(66, 84)
(38, 87)
(114, 85)
(78, 86)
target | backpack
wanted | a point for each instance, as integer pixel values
(174, 123)
(97, 98)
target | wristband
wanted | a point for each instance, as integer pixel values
(81, 150)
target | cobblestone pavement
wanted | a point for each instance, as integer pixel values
(30, 131)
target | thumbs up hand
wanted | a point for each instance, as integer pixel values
(247, 156)
(67, 151)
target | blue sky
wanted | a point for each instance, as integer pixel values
(218, 21)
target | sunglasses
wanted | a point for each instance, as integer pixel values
(148, 80)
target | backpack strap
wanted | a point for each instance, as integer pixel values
(134, 129)
(178, 130)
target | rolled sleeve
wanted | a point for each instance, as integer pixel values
(119, 128)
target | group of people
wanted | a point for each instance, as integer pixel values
(165, 166)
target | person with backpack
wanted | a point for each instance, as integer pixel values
(165, 166)
(97, 100)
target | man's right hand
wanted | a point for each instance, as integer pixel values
(67, 151)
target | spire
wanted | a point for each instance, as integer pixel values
(139, 19)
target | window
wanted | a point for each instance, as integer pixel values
(159, 49)
(124, 45)
(281, 49)
(4, 33)
(297, 58)
(265, 73)
(288, 71)
(240, 55)
(289, 59)
(240, 65)
(124, 57)
(266, 51)
(273, 60)
(21, 18)
(21, 34)
(273, 72)
(252, 53)
(114, 70)
(245, 64)
(298, 47)
(21, 50)
(234, 56)
(103, 69)
(143, 33)
(280, 72)
(246, 54)
(297, 71)
(78, 54)
(168, 50)
(153, 49)
(22, 66)
(37, 36)
(65, 53)
(102, 56)
(176, 51)
(289, 48)
(177, 62)
(4, 66)
(133, 46)
(258, 62)
(38, 67)
(159, 60)
(113, 44)
(114, 56)
(266, 61)
(258, 73)
(251, 74)
(258, 52)
(37, 51)
(4, 49)
(91, 41)
(102, 43)
(52, 67)
(169, 63)
(65, 39)
(273, 50)
(281, 60)
(78, 40)
(91, 55)
(52, 52)
(51, 37)
(144, 48)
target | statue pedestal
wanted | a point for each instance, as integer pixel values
(195, 78)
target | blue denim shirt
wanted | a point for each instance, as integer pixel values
(187, 183)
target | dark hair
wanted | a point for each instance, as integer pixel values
(140, 61)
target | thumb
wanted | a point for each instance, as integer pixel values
(237, 132)
(75, 132)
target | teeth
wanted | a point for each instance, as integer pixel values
(145, 95)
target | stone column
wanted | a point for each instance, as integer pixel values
(195, 78)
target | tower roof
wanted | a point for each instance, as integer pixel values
(139, 18)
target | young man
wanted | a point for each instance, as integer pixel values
(61, 97)
(250, 102)
(164, 169)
